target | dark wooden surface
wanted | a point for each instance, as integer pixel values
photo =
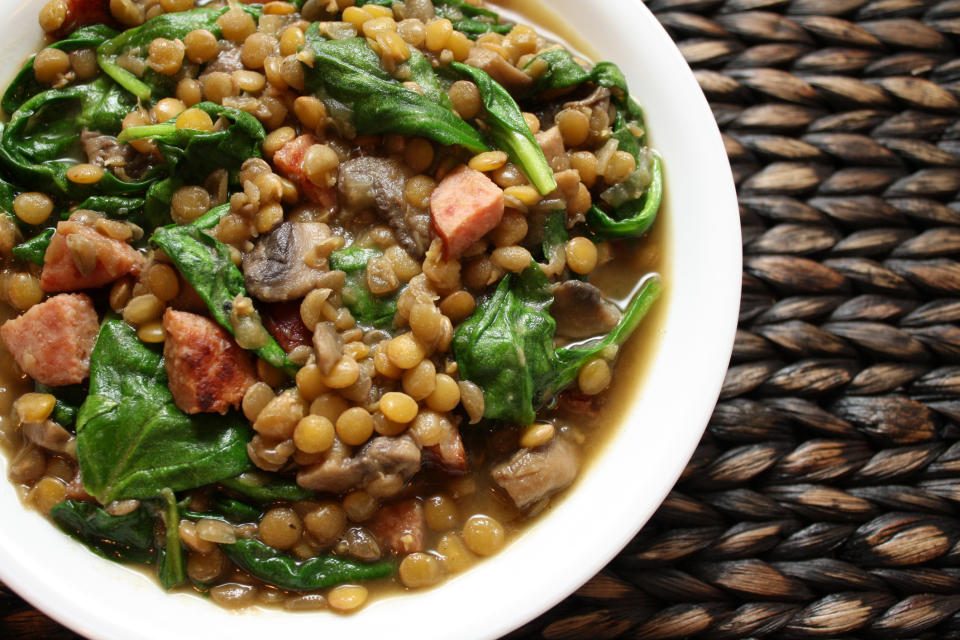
(822, 501)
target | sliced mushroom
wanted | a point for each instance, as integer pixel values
(382, 467)
(531, 475)
(377, 183)
(328, 345)
(581, 311)
(275, 271)
(48, 435)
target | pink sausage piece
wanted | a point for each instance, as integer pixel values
(289, 161)
(113, 259)
(53, 340)
(207, 370)
(465, 206)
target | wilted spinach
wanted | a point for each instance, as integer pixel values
(205, 263)
(153, 85)
(40, 140)
(346, 74)
(367, 309)
(68, 401)
(128, 538)
(508, 130)
(133, 441)
(285, 571)
(25, 84)
(171, 565)
(506, 346)
(262, 488)
(190, 153)
(642, 192)
(33, 250)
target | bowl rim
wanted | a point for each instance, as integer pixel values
(44, 581)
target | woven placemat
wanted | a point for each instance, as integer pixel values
(822, 501)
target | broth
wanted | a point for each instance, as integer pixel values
(589, 422)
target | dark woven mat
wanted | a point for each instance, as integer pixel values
(822, 501)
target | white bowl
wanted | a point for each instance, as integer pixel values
(608, 504)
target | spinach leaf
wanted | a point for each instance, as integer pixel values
(635, 216)
(193, 154)
(35, 248)
(263, 488)
(471, 20)
(133, 441)
(114, 206)
(39, 142)
(367, 309)
(205, 263)
(166, 25)
(126, 538)
(283, 570)
(361, 96)
(25, 85)
(171, 565)
(506, 346)
(235, 511)
(555, 235)
(508, 130)
(563, 72)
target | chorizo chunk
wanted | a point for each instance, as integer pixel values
(53, 340)
(289, 162)
(465, 206)
(399, 526)
(80, 258)
(207, 370)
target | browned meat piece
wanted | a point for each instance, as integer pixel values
(378, 183)
(207, 371)
(513, 79)
(533, 474)
(552, 144)
(382, 468)
(399, 526)
(75, 490)
(53, 340)
(275, 271)
(289, 161)
(80, 258)
(449, 453)
(283, 321)
(581, 311)
(122, 159)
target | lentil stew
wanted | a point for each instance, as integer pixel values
(313, 299)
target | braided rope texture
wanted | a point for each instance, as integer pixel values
(822, 501)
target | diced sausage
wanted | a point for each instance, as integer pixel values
(289, 161)
(86, 261)
(553, 150)
(75, 490)
(81, 13)
(399, 526)
(465, 206)
(207, 370)
(449, 453)
(53, 340)
(513, 79)
(283, 321)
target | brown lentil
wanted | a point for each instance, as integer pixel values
(280, 528)
(166, 56)
(49, 64)
(33, 207)
(440, 513)
(483, 535)
(313, 434)
(419, 570)
(85, 173)
(465, 97)
(594, 376)
(201, 46)
(347, 597)
(168, 108)
(354, 426)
